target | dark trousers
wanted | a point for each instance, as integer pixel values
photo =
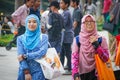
(66, 51)
(21, 31)
(88, 76)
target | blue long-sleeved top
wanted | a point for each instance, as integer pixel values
(68, 33)
(32, 55)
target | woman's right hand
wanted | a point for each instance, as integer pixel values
(20, 58)
(77, 78)
(28, 77)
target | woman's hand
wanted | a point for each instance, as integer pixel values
(93, 39)
(28, 77)
(77, 78)
(20, 58)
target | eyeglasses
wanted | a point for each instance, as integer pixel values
(89, 22)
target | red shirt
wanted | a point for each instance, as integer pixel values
(107, 4)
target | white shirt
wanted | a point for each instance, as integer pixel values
(10, 24)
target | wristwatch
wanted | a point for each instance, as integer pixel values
(24, 56)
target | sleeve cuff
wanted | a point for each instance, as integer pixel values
(25, 56)
(26, 71)
(95, 44)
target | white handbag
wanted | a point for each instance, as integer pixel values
(51, 65)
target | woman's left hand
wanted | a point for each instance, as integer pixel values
(93, 39)
(20, 58)
(28, 77)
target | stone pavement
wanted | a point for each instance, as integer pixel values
(9, 65)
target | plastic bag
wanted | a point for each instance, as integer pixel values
(104, 69)
(51, 65)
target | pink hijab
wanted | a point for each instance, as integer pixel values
(86, 46)
(87, 51)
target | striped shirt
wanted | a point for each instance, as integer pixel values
(20, 15)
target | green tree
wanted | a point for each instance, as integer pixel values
(6, 6)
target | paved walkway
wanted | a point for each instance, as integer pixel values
(9, 65)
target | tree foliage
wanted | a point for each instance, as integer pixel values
(6, 6)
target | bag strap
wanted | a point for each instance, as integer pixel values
(49, 45)
(78, 43)
(100, 40)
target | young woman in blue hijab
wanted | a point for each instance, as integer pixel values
(31, 45)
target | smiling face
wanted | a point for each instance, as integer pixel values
(89, 24)
(32, 24)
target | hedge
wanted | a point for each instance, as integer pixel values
(5, 39)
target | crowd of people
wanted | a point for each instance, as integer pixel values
(58, 26)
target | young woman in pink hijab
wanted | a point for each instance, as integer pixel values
(83, 60)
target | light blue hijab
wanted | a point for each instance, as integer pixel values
(31, 39)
